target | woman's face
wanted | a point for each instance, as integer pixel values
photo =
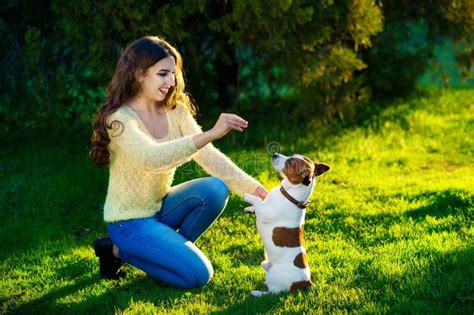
(158, 79)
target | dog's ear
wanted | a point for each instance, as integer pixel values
(320, 168)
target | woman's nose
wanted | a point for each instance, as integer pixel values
(171, 80)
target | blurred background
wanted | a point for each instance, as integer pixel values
(297, 62)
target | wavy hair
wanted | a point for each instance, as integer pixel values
(137, 56)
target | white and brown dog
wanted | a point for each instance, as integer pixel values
(280, 219)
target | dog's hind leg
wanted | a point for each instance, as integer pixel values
(259, 293)
(265, 265)
(249, 210)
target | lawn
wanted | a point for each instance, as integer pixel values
(389, 230)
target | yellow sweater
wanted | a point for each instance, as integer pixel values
(142, 167)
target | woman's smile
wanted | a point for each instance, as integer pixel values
(164, 91)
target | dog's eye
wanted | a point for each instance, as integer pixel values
(289, 161)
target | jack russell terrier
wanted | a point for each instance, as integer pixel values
(280, 219)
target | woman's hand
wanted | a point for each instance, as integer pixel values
(260, 192)
(225, 123)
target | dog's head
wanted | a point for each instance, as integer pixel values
(298, 169)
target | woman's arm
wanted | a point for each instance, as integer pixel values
(215, 162)
(128, 139)
(145, 151)
(224, 124)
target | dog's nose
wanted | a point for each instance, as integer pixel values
(274, 156)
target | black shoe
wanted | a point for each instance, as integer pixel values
(109, 264)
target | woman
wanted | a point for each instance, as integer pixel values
(143, 132)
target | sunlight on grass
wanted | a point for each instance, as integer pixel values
(390, 226)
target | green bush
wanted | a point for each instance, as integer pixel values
(312, 58)
(66, 57)
(405, 48)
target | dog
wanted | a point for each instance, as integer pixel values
(280, 219)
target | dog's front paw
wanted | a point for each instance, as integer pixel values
(249, 210)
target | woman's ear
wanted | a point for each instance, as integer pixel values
(139, 74)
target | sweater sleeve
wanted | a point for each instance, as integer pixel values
(214, 161)
(143, 150)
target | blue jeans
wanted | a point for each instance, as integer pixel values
(162, 245)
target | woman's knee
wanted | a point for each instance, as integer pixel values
(219, 189)
(216, 195)
(201, 274)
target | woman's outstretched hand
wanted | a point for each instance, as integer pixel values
(224, 124)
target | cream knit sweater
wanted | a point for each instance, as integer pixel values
(142, 167)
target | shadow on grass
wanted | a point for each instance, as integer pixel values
(435, 283)
(39, 234)
(243, 254)
(438, 204)
(268, 304)
(118, 295)
(442, 204)
(113, 295)
(46, 303)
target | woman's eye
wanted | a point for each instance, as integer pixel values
(165, 74)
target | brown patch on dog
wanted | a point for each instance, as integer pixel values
(301, 285)
(299, 170)
(301, 261)
(288, 237)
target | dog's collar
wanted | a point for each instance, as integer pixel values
(299, 204)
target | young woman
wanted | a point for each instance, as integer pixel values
(143, 132)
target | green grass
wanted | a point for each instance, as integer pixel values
(389, 230)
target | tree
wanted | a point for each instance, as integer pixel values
(404, 49)
(61, 54)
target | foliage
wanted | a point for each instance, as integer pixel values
(404, 50)
(389, 228)
(61, 61)
(60, 55)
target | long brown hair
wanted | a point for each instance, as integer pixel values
(138, 56)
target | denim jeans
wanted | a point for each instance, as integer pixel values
(163, 245)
